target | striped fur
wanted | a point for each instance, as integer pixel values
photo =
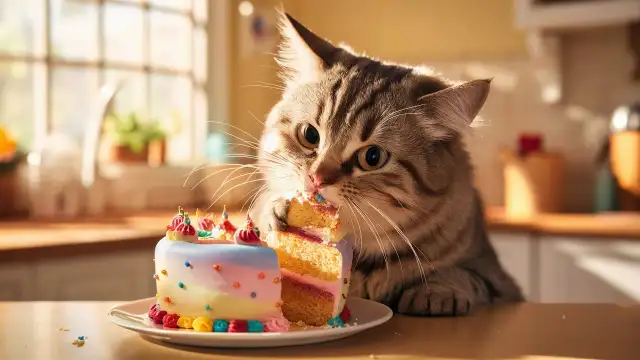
(421, 243)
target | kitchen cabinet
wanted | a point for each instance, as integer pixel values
(115, 275)
(580, 270)
(17, 281)
(517, 254)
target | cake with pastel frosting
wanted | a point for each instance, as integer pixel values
(216, 278)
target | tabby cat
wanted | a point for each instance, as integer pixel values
(384, 142)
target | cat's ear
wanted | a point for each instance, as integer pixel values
(302, 54)
(448, 112)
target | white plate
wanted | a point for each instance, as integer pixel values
(365, 314)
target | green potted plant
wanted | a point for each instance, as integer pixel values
(134, 140)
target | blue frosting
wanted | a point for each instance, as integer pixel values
(336, 322)
(254, 326)
(220, 326)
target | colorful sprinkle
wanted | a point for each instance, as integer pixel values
(261, 276)
(159, 316)
(319, 198)
(203, 324)
(238, 326)
(180, 285)
(153, 310)
(164, 272)
(185, 322)
(236, 284)
(81, 338)
(187, 264)
(253, 294)
(276, 280)
(167, 300)
(156, 276)
(220, 326)
(170, 321)
(345, 315)
(254, 326)
(207, 307)
(217, 267)
(336, 322)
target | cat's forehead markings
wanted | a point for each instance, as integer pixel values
(353, 143)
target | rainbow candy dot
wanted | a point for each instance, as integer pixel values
(253, 294)
(236, 284)
(164, 272)
(187, 264)
(276, 280)
(261, 276)
(180, 285)
(207, 307)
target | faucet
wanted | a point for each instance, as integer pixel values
(93, 132)
(94, 202)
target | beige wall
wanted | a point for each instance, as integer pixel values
(412, 31)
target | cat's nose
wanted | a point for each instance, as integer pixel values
(317, 180)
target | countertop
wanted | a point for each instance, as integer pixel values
(118, 231)
(29, 330)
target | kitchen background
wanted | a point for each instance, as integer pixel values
(92, 167)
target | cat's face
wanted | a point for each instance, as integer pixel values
(370, 137)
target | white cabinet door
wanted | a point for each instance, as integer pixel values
(17, 281)
(112, 276)
(514, 252)
(589, 270)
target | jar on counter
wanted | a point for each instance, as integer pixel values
(625, 154)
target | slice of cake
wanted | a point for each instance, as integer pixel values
(214, 283)
(315, 261)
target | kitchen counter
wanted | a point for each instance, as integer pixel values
(19, 239)
(29, 330)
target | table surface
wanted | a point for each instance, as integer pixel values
(29, 330)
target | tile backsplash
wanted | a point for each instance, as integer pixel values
(597, 73)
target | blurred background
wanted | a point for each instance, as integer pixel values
(114, 112)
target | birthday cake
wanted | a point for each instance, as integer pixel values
(223, 278)
(216, 278)
(316, 262)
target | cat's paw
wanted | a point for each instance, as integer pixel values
(423, 301)
(278, 214)
(449, 292)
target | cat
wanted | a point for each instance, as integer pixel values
(384, 142)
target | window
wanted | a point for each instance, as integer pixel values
(56, 54)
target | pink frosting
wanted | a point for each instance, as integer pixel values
(205, 224)
(276, 324)
(248, 235)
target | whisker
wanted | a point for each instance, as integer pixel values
(353, 214)
(233, 187)
(403, 236)
(375, 235)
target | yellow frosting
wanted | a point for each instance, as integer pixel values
(185, 322)
(203, 324)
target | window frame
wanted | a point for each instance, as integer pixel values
(42, 65)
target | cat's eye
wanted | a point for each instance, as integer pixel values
(308, 136)
(372, 158)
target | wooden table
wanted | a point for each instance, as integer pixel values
(527, 331)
